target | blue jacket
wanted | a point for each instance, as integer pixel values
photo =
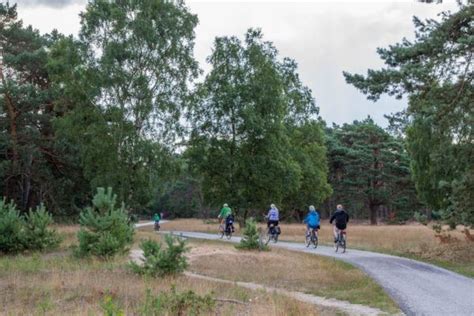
(312, 219)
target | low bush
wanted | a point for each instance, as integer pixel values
(158, 260)
(12, 226)
(31, 232)
(176, 303)
(251, 239)
(110, 307)
(105, 229)
(38, 235)
(421, 218)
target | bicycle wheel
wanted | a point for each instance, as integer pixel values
(343, 243)
(221, 232)
(275, 238)
(228, 234)
(308, 240)
(315, 241)
(267, 238)
(338, 241)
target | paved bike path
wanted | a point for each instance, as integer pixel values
(419, 288)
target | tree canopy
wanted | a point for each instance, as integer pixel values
(435, 72)
(133, 63)
(248, 121)
(369, 172)
(123, 106)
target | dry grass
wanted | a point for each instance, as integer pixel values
(290, 270)
(206, 226)
(58, 284)
(81, 292)
(415, 241)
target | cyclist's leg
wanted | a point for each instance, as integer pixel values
(226, 223)
(335, 231)
(222, 225)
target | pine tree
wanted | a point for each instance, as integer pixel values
(105, 229)
(160, 261)
(435, 72)
(251, 237)
(12, 227)
(33, 168)
(38, 234)
(369, 171)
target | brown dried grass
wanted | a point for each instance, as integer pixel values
(292, 271)
(58, 284)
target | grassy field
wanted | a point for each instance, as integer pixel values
(290, 270)
(454, 252)
(58, 284)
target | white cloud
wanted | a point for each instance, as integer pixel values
(48, 3)
(324, 37)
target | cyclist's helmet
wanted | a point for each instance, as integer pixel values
(311, 208)
(225, 205)
(272, 205)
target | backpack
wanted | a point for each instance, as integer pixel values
(230, 219)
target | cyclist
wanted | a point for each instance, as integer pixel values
(342, 218)
(273, 217)
(156, 219)
(312, 220)
(226, 215)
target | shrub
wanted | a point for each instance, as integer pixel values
(175, 303)
(19, 233)
(159, 261)
(12, 226)
(37, 234)
(251, 238)
(105, 230)
(110, 307)
(421, 218)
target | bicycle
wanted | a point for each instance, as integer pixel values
(341, 240)
(272, 234)
(312, 238)
(156, 226)
(225, 230)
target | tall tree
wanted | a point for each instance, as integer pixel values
(241, 144)
(308, 148)
(369, 171)
(33, 167)
(435, 72)
(127, 86)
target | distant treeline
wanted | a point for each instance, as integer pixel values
(120, 106)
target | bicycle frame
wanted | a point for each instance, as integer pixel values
(225, 230)
(341, 239)
(312, 237)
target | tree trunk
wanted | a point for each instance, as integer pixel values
(14, 156)
(373, 213)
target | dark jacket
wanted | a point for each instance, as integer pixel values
(341, 217)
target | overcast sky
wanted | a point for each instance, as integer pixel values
(324, 37)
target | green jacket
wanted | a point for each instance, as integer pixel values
(156, 217)
(225, 211)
